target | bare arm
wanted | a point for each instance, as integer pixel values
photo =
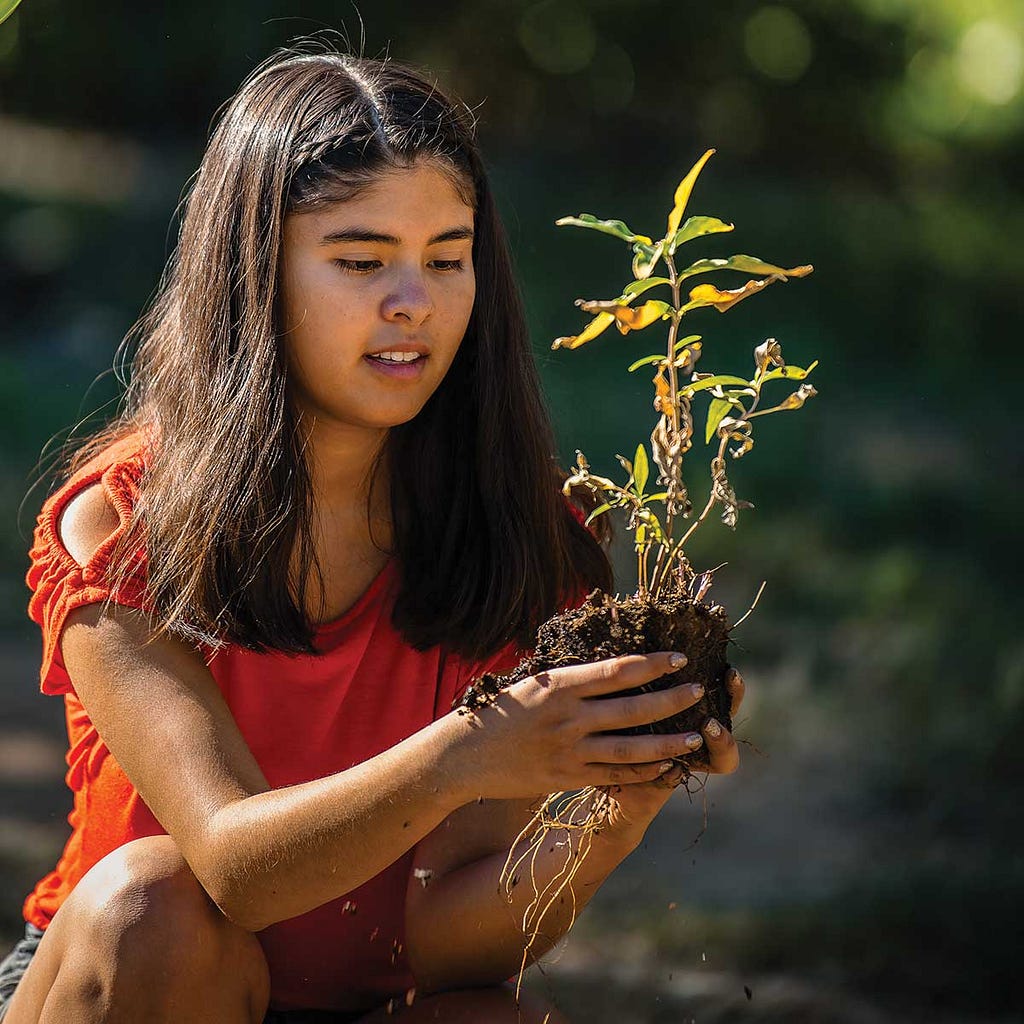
(265, 855)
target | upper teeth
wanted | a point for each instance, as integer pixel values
(398, 357)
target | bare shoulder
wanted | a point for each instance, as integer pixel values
(86, 522)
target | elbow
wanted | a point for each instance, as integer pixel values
(240, 906)
(233, 888)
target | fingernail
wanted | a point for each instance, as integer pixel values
(697, 690)
(677, 660)
(664, 767)
(694, 740)
(713, 729)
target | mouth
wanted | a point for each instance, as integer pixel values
(401, 365)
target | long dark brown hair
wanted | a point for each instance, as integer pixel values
(486, 544)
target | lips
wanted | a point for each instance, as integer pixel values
(397, 370)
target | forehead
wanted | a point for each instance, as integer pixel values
(403, 202)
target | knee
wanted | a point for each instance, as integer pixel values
(142, 901)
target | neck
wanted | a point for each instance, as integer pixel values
(340, 457)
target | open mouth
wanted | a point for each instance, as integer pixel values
(406, 359)
(398, 365)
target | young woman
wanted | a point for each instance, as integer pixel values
(330, 503)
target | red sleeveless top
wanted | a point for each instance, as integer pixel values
(304, 717)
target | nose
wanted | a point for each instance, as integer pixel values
(409, 300)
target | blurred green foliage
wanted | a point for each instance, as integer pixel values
(880, 140)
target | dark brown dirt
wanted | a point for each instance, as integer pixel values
(604, 627)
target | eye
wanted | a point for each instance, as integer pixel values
(447, 266)
(358, 266)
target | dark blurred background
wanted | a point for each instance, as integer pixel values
(865, 863)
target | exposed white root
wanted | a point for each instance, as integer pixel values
(565, 819)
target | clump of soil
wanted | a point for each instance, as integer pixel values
(604, 627)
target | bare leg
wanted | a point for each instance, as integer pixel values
(140, 940)
(471, 1006)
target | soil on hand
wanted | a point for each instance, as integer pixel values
(605, 627)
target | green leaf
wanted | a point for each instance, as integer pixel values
(635, 288)
(710, 382)
(609, 227)
(682, 342)
(645, 258)
(600, 510)
(748, 264)
(660, 496)
(788, 372)
(640, 469)
(653, 523)
(694, 227)
(657, 357)
(682, 196)
(717, 411)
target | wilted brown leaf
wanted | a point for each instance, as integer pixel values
(768, 352)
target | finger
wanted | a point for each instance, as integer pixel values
(639, 708)
(639, 749)
(737, 689)
(625, 774)
(623, 673)
(723, 754)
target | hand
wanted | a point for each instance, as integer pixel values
(544, 733)
(636, 806)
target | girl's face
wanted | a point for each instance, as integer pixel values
(376, 293)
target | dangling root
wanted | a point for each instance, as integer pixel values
(579, 815)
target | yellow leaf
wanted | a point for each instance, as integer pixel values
(683, 195)
(723, 299)
(627, 318)
(596, 326)
(635, 319)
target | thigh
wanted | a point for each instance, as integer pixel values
(119, 924)
(15, 964)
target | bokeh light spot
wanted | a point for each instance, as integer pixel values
(990, 62)
(778, 43)
(558, 36)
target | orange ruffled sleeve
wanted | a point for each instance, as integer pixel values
(60, 584)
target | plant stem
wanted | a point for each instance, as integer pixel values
(673, 397)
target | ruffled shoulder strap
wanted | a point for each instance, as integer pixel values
(59, 584)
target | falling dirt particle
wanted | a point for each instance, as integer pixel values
(389, 1007)
(348, 907)
(669, 975)
(396, 949)
(515, 881)
(479, 799)
(704, 958)
(424, 875)
(748, 993)
(410, 997)
(672, 906)
(406, 824)
(374, 934)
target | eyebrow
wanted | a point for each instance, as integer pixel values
(359, 234)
